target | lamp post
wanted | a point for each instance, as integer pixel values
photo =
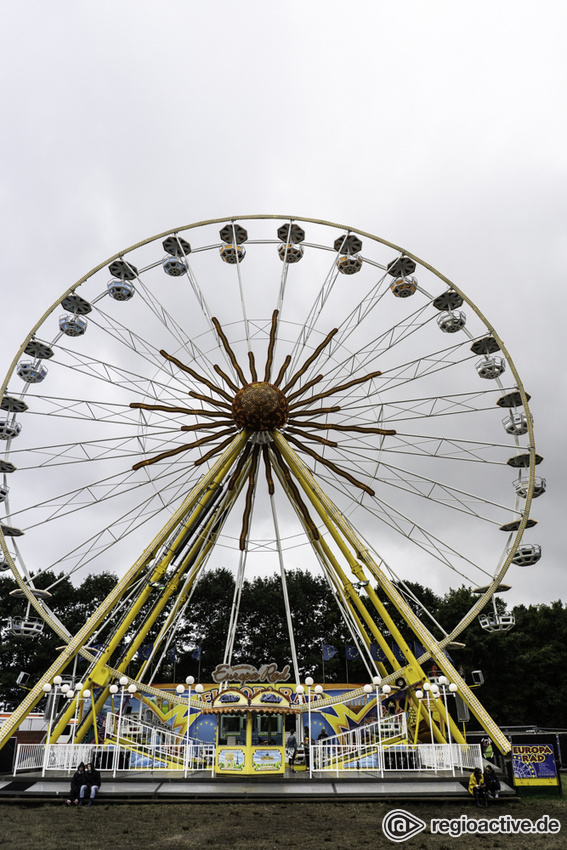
(180, 689)
(444, 683)
(114, 690)
(70, 694)
(419, 697)
(199, 690)
(300, 690)
(318, 691)
(427, 689)
(86, 696)
(78, 688)
(309, 683)
(189, 681)
(57, 680)
(377, 681)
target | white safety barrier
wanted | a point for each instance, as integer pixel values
(185, 758)
(129, 728)
(374, 748)
(358, 746)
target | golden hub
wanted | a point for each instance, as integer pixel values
(260, 407)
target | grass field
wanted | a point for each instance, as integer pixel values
(263, 826)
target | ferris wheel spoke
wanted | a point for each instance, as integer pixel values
(431, 544)
(109, 448)
(448, 448)
(116, 376)
(170, 324)
(420, 485)
(81, 409)
(429, 406)
(435, 491)
(371, 351)
(357, 316)
(131, 340)
(316, 310)
(94, 493)
(422, 367)
(102, 541)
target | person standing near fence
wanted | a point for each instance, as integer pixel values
(292, 750)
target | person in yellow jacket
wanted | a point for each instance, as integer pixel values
(477, 787)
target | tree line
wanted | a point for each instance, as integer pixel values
(524, 669)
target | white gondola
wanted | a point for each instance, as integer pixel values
(9, 430)
(4, 565)
(497, 623)
(451, 322)
(72, 325)
(120, 290)
(403, 287)
(349, 264)
(522, 484)
(289, 252)
(31, 373)
(527, 554)
(24, 626)
(4, 490)
(516, 424)
(232, 254)
(491, 367)
(174, 266)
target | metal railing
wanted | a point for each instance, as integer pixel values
(127, 727)
(358, 746)
(29, 757)
(383, 747)
(185, 758)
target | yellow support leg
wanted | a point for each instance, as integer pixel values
(95, 620)
(335, 520)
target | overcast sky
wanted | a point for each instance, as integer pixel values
(437, 125)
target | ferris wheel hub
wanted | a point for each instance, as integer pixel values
(260, 407)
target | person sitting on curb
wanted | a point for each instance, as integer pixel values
(477, 787)
(92, 783)
(492, 782)
(77, 782)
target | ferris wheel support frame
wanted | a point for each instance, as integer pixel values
(343, 532)
(195, 560)
(197, 496)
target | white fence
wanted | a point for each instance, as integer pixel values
(373, 748)
(360, 745)
(437, 758)
(185, 758)
(129, 728)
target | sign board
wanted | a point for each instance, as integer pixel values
(243, 673)
(534, 761)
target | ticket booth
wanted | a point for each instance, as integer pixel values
(250, 732)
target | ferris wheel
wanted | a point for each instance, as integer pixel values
(266, 393)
